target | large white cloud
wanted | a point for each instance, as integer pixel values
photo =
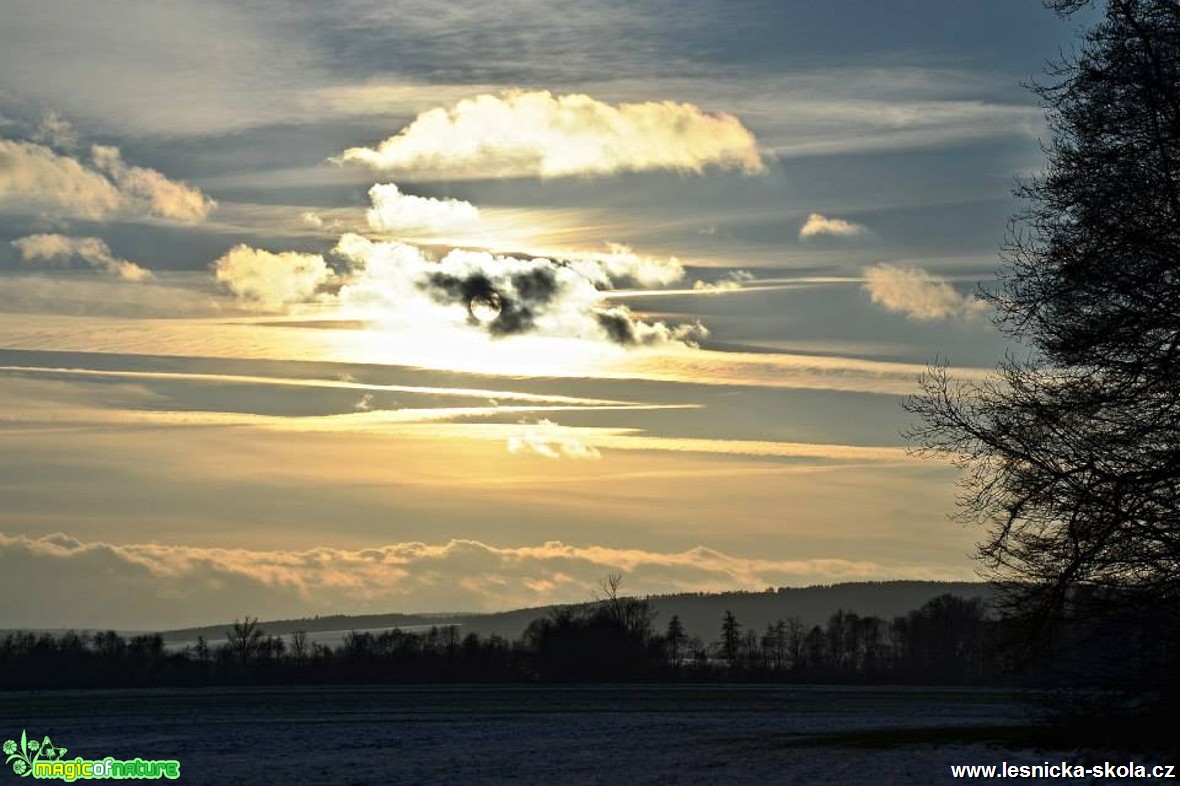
(539, 134)
(270, 281)
(35, 178)
(394, 211)
(91, 250)
(918, 294)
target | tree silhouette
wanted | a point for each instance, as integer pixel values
(631, 614)
(938, 643)
(299, 646)
(794, 634)
(244, 639)
(1073, 453)
(201, 650)
(731, 639)
(675, 638)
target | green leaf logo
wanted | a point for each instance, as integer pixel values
(22, 757)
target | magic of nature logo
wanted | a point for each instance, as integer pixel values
(46, 761)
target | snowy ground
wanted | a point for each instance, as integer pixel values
(522, 734)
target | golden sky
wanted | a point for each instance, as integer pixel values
(381, 314)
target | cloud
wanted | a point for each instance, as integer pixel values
(817, 225)
(539, 134)
(57, 132)
(268, 281)
(164, 197)
(918, 294)
(311, 220)
(35, 178)
(623, 267)
(394, 211)
(546, 438)
(731, 282)
(43, 396)
(502, 295)
(169, 296)
(149, 585)
(52, 54)
(91, 250)
(622, 326)
(344, 383)
(787, 370)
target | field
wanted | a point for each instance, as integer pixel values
(534, 734)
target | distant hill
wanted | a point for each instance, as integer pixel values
(700, 612)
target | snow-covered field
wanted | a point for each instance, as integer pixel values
(521, 734)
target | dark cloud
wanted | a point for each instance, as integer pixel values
(526, 295)
(623, 327)
(618, 325)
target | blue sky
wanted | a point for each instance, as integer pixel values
(357, 307)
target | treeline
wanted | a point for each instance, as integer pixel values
(949, 640)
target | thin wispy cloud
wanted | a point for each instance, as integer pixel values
(95, 299)
(498, 394)
(532, 357)
(787, 370)
(54, 402)
(56, 132)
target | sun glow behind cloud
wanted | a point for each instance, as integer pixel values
(506, 342)
(463, 351)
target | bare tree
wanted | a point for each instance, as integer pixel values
(299, 648)
(244, 638)
(631, 614)
(1072, 454)
(796, 633)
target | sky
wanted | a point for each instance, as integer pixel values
(363, 307)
